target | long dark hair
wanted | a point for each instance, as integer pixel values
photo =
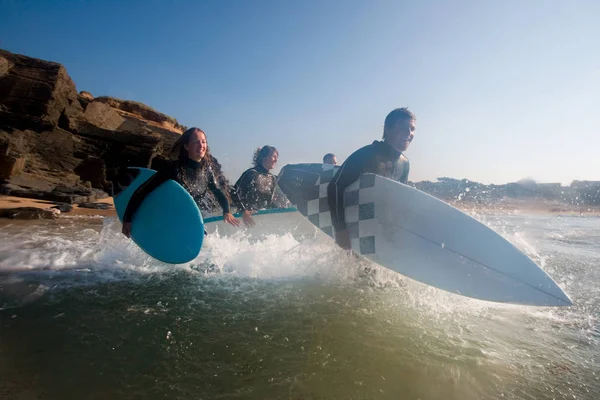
(261, 153)
(207, 162)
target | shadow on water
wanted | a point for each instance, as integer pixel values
(188, 335)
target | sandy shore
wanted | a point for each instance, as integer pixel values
(14, 202)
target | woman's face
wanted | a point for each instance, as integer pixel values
(196, 147)
(270, 161)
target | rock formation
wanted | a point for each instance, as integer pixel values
(29, 213)
(58, 145)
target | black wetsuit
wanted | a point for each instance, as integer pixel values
(195, 179)
(257, 189)
(378, 158)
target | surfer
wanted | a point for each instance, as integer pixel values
(330, 158)
(257, 187)
(384, 158)
(195, 169)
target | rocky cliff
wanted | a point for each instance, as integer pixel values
(61, 145)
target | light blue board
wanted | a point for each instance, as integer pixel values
(261, 212)
(168, 224)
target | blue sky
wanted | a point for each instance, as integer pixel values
(502, 90)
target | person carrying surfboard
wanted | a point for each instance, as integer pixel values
(384, 158)
(193, 170)
(257, 187)
(330, 158)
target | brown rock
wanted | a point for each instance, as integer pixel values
(51, 149)
(93, 170)
(96, 206)
(86, 95)
(63, 207)
(85, 98)
(144, 139)
(6, 188)
(144, 112)
(27, 181)
(4, 66)
(103, 116)
(36, 94)
(10, 166)
(29, 213)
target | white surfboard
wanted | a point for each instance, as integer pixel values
(267, 222)
(423, 238)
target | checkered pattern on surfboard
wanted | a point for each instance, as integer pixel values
(306, 187)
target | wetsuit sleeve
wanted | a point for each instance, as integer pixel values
(245, 190)
(235, 199)
(350, 171)
(160, 177)
(406, 170)
(219, 194)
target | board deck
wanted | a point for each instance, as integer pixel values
(423, 238)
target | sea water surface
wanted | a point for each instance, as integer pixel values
(84, 314)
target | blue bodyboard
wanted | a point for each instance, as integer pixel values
(168, 224)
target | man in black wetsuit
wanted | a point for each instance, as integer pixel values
(383, 158)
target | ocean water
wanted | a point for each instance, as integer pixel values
(84, 314)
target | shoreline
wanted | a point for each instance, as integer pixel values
(512, 207)
(516, 206)
(7, 202)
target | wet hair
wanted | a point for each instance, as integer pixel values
(179, 147)
(328, 158)
(261, 153)
(399, 114)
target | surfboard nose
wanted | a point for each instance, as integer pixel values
(556, 296)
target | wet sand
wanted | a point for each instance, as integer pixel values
(14, 202)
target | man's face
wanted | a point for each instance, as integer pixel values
(401, 134)
(331, 160)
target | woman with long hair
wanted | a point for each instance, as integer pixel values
(257, 187)
(193, 170)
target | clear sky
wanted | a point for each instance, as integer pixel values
(502, 89)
